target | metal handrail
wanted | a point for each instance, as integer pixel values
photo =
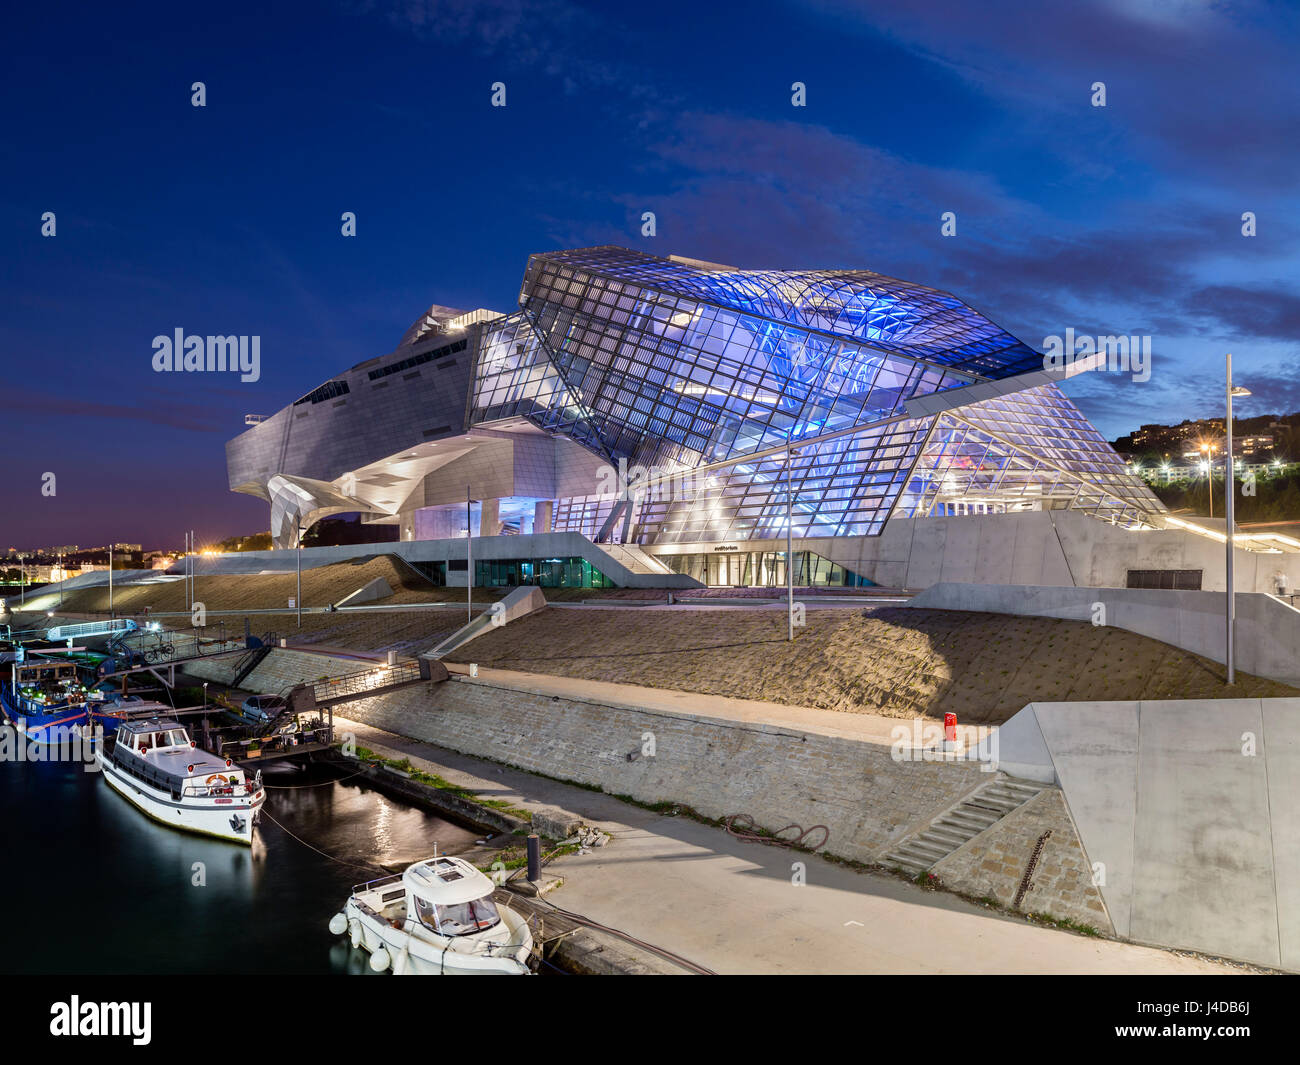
(369, 884)
(375, 679)
(192, 790)
(393, 876)
(152, 647)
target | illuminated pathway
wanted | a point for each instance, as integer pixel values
(731, 905)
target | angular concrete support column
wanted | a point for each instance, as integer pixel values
(489, 521)
(543, 513)
(606, 532)
(299, 502)
(633, 505)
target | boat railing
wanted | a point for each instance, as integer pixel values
(370, 885)
(241, 790)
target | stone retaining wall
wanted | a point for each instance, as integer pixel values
(280, 669)
(719, 767)
(993, 863)
(777, 775)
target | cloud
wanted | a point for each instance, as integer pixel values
(193, 417)
(560, 39)
(762, 193)
(1210, 85)
(1262, 311)
(522, 29)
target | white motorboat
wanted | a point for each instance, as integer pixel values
(161, 770)
(437, 918)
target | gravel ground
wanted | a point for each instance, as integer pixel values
(896, 661)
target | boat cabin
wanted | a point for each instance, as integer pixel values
(154, 736)
(48, 683)
(450, 897)
(161, 753)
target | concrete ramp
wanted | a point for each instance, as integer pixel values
(367, 593)
(517, 604)
(1185, 808)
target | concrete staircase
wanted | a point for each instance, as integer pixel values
(924, 850)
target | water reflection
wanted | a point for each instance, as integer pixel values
(130, 895)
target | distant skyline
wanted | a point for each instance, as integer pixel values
(225, 219)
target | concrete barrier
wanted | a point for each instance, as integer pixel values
(1049, 547)
(517, 604)
(1267, 630)
(367, 593)
(1183, 809)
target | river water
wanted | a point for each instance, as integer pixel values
(96, 887)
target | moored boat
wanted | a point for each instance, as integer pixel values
(106, 709)
(44, 700)
(436, 918)
(156, 766)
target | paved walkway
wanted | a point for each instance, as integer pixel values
(869, 728)
(732, 906)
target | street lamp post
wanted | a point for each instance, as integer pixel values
(298, 601)
(1209, 474)
(1229, 500)
(469, 554)
(789, 541)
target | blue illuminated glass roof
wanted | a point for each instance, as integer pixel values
(790, 389)
(895, 316)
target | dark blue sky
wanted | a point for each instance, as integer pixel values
(225, 219)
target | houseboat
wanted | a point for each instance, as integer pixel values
(44, 699)
(155, 765)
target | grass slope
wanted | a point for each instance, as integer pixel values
(896, 661)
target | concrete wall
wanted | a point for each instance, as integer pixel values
(367, 593)
(98, 578)
(1267, 641)
(1184, 806)
(547, 545)
(716, 765)
(1032, 548)
(1057, 547)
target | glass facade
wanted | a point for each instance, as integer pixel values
(543, 572)
(1027, 450)
(677, 367)
(764, 569)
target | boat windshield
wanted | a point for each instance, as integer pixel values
(164, 738)
(459, 919)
